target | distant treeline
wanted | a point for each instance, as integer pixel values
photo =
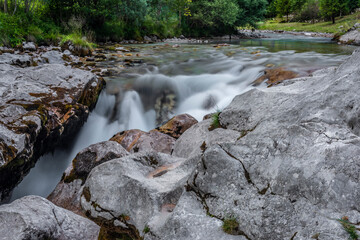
(124, 19)
(310, 10)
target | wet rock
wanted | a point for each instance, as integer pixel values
(77, 50)
(29, 46)
(275, 76)
(40, 107)
(35, 218)
(148, 187)
(196, 139)
(139, 141)
(164, 106)
(176, 126)
(68, 191)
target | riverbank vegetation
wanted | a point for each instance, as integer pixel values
(47, 21)
(330, 16)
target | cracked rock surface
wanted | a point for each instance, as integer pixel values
(284, 165)
(33, 217)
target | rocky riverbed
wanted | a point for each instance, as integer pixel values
(277, 163)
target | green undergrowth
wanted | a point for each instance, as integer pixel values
(349, 228)
(230, 226)
(341, 25)
(78, 40)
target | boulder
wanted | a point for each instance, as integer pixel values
(352, 36)
(147, 186)
(67, 192)
(53, 57)
(138, 141)
(196, 139)
(176, 126)
(16, 60)
(33, 218)
(40, 107)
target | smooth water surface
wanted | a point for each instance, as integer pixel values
(203, 78)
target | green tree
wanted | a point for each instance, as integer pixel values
(284, 7)
(333, 8)
(250, 11)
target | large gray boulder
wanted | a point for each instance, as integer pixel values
(40, 106)
(34, 218)
(68, 191)
(132, 194)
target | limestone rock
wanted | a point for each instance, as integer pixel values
(40, 107)
(139, 141)
(30, 46)
(33, 218)
(67, 192)
(147, 187)
(195, 140)
(351, 37)
(176, 126)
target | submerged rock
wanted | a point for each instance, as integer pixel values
(68, 191)
(33, 218)
(40, 107)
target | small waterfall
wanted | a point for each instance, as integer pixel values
(202, 78)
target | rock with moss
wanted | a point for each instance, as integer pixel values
(147, 186)
(67, 192)
(36, 218)
(41, 106)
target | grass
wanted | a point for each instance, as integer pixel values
(349, 228)
(215, 121)
(325, 27)
(230, 226)
(78, 40)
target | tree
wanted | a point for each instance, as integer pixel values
(250, 11)
(284, 7)
(332, 8)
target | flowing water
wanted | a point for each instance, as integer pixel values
(202, 78)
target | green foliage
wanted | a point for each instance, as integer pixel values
(230, 226)
(146, 229)
(284, 7)
(77, 40)
(215, 121)
(349, 228)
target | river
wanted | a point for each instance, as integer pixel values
(198, 79)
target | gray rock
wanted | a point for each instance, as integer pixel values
(292, 174)
(198, 137)
(147, 39)
(68, 191)
(33, 218)
(30, 46)
(16, 60)
(53, 57)
(147, 188)
(352, 36)
(39, 107)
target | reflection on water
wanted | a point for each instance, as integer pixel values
(202, 77)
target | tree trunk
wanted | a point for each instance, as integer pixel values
(333, 19)
(5, 6)
(179, 18)
(15, 8)
(287, 17)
